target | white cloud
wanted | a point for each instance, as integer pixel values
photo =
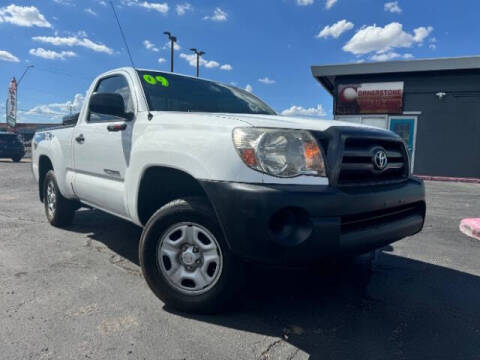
(161, 60)
(101, 2)
(168, 45)
(181, 9)
(23, 16)
(392, 7)
(74, 41)
(389, 56)
(6, 56)
(90, 11)
(51, 55)
(336, 29)
(160, 7)
(383, 39)
(422, 33)
(295, 110)
(249, 88)
(226, 67)
(150, 46)
(192, 61)
(64, 2)
(218, 15)
(266, 80)
(304, 2)
(330, 3)
(58, 109)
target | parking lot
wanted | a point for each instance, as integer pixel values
(79, 293)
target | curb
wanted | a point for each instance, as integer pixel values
(449, 179)
(471, 227)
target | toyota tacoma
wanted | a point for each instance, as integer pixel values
(216, 179)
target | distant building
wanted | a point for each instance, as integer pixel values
(433, 104)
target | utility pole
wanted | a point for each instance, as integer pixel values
(173, 40)
(198, 53)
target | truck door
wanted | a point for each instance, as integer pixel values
(102, 145)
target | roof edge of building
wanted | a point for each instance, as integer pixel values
(326, 74)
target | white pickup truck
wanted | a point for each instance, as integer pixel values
(216, 178)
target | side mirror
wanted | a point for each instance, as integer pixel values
(108, 104)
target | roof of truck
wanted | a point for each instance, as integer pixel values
(130, 68)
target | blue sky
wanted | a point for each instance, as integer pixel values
(265, 45)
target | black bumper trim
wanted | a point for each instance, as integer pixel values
(245, 212)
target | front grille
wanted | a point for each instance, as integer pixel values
(357, 167)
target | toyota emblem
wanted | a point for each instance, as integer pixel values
(380, 159)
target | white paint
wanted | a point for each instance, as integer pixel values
(198, 143)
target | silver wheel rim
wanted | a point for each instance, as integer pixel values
(190, 258)
(51, 199)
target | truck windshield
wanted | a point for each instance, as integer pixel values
(169, 92)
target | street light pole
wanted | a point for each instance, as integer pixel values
(173, 40)
(198, 53)
(21, 77)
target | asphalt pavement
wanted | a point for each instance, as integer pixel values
(78, 293)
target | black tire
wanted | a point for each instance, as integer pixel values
(231, 276)
(16, 158)
(64, 210)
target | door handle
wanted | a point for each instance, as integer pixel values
(117, 127)
(80, 139)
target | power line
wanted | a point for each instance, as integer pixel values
(56, 72)
(123, 35)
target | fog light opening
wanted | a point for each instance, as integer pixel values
(290, 226)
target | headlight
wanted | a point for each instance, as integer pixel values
(278, 152)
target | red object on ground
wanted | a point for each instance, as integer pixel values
(471, 227)
(447, 178)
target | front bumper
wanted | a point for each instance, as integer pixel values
(304, 223)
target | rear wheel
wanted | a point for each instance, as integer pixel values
(59, 210)
(185, 258)
(16, 158)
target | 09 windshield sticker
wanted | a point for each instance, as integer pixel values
(156, 80)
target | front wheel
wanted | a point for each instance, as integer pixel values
(16, 158)
(185, 258)
(59, 210)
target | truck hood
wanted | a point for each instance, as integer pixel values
(287, 122)
(261, 121)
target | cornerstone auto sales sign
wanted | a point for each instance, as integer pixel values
(370, 98)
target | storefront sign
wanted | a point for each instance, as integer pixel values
(12, 104)
(370, 98)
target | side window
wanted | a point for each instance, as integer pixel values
(113, 84)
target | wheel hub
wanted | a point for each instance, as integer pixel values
(190, 258)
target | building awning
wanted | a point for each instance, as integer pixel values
(326, 74)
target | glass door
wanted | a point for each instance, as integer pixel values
(405, 127)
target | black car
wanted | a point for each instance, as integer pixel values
(11, 146)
